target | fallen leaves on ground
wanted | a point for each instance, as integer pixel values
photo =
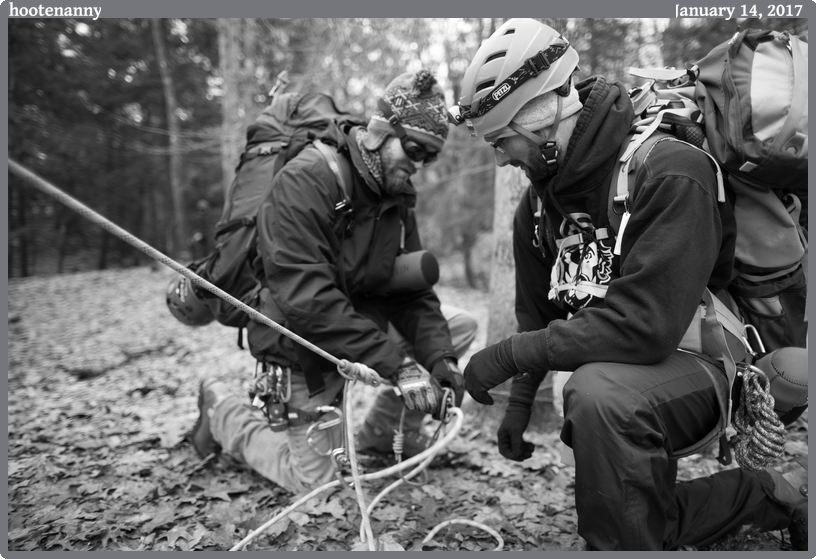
(103, 385)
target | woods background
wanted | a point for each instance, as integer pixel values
(144, 119)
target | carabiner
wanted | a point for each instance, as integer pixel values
(323, 425)
(283, 382)
(445, 405)
(339, 455)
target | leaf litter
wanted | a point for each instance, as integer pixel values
(102, 386)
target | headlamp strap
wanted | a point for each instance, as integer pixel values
(531, 67)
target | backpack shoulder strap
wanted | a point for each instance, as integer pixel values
(633, 154)
(339, 166)
(630, 158)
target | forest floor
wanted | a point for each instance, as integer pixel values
(102, 386)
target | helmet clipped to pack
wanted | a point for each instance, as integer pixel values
(185, 304)
(522, 60)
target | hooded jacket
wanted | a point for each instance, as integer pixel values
(679, 240)
(321, 285)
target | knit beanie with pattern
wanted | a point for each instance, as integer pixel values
(417, 100)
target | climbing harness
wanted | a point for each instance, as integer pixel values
(271, 387)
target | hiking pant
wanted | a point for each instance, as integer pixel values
(623, 422)
(285, 457)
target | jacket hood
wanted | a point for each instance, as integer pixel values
(601, 128)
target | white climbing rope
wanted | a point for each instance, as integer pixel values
(479, 525)
(345, 368)
(411, 462)
(352, 372)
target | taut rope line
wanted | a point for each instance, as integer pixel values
(345, 368)
(351, 371)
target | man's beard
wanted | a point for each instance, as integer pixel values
(395, 183)
(537, 170)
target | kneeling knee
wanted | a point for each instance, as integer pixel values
(592, 391)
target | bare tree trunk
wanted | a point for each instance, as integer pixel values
(103, 251)
(231, 137)
(62, 245)
(23, 208)
(179, 248)
(511, 185)
(468, 241)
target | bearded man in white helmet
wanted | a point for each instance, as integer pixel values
(612, 308)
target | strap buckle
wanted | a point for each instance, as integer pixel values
(620, 204)
(543, 59)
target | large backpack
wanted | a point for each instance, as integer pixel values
(745, 105)
(289, 124)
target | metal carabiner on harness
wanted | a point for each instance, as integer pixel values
(271, 390)
(340, 459)
(323, 425)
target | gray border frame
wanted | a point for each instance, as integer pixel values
(327, 8)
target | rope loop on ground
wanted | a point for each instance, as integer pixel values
(350, 371)
(479, 525)
(760, 435)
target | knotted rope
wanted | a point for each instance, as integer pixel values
(760, 435)
(350, 371)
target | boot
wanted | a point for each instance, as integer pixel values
(210, 392)
(791, 492)
(378, 442)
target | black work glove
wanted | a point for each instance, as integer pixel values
(489, 368)
(511, 444)
(447, 374)
(517, 417)
(416, 387)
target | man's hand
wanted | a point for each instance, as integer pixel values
(447, 374)
(511, 443)
(489, 368)
(418, 390)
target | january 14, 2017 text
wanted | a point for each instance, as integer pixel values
(742, 10)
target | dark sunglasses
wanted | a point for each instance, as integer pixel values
(497, 145)
(417, 152)
(414, 150)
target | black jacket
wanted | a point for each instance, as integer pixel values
(302, 258)
(679, 240)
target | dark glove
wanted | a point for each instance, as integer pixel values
(416, 387)
(517, 417)
(511, 444)
(447, 374)
(489, 368)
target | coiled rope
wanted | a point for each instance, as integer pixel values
(348, 370)
(760, 435)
